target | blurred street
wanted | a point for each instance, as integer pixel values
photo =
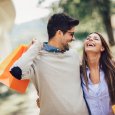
(19, 104)
(21, 21)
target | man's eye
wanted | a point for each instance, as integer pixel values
(72, 34)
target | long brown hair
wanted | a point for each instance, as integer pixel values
(108, 66)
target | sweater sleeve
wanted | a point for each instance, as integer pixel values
(23, 66)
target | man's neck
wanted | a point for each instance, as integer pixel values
(56, 44)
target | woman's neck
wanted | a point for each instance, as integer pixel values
(93, 63)
(93, 60)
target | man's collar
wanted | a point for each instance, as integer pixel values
(50, 48)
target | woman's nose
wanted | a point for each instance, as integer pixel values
(91, 39)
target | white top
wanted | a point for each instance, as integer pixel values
(97, 96)
(95, 87)
(56, 78)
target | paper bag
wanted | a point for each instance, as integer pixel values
(6, 78)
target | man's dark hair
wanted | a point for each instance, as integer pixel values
(60, 21)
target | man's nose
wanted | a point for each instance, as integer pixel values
(73, 38)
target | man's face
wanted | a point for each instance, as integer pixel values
(67, 37)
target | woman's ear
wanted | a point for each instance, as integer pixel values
(102, 49)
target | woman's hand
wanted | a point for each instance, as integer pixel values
(38, 102)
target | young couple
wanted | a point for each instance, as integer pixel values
(54, 69)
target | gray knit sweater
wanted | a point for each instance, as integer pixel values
(56, 78)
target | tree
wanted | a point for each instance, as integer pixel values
(84, 8)
(104, 10)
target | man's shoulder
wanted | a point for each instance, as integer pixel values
(73, 50)
(74, 53)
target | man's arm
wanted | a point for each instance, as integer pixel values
(23, 66)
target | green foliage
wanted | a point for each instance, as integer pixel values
(77, 8)
(113, 7)
(81, 35)
(93, 14)
(86, 12)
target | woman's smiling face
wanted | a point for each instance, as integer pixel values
(93, 44)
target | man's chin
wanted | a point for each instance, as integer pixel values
(66, 47)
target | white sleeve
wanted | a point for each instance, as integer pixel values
(26, 60)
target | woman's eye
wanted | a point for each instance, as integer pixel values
(96, 38)
(87, 38)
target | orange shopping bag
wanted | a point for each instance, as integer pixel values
(5, 76)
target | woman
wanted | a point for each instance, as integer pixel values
(98, 75)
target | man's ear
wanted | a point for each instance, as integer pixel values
(102, 49)
(59, 33)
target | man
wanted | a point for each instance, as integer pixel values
(54, 69)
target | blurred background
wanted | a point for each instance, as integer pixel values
(23, 20)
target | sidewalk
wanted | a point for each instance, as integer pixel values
(20, 104)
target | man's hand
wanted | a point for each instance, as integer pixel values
(32, 42)
(38, 102)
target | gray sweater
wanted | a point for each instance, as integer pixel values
(56, 78)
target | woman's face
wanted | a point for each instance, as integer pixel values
(93, 44)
